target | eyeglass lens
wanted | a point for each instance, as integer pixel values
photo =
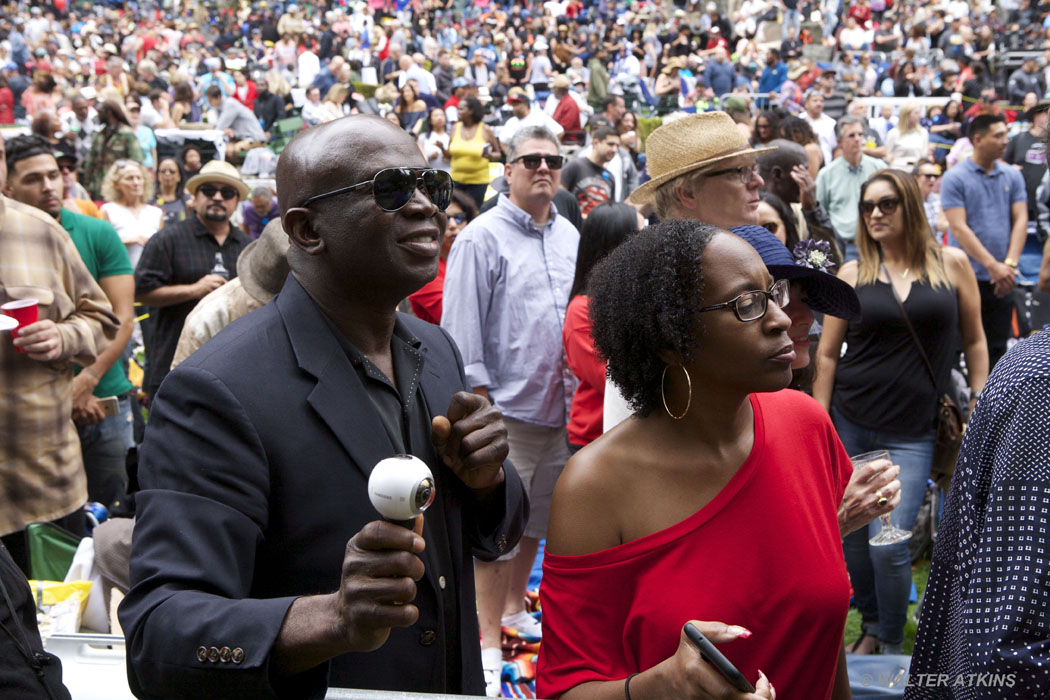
(887, 205)
(393, 187)
(210, 190)
(751, 306)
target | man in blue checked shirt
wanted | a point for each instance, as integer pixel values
(506, 291)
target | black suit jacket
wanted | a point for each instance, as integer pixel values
(254, 473)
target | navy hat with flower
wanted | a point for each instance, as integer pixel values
(811, 265)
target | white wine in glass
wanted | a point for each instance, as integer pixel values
(889, 534)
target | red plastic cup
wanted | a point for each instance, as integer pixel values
(25, 311)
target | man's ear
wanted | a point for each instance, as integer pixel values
(777, 172)
(298, 223)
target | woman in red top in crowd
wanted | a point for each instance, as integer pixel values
(245, 91)
(7, 103)
(426, 303)
(605, 228)
(715, 501)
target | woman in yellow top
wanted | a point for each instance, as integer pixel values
(470, 149)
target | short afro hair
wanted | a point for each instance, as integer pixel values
(644, 300)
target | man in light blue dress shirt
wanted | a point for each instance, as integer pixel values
(506, 291)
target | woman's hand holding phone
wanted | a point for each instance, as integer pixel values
(688, 675)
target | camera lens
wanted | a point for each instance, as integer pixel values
(424, 494)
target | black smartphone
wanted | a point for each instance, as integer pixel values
(714, 657)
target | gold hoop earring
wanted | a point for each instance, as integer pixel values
(663, 395)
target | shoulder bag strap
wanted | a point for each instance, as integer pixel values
(911, 329)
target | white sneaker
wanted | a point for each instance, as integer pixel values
(524, 624)
(492, 666)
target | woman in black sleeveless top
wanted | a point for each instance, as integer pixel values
(879, 393)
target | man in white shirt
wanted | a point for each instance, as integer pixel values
(525, 115)
(823, 125)
(314, 112)
(415, 71)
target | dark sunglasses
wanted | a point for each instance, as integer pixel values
(751, 306)
(771, 226)
(532, 162)
(931, 176)
(393, 188)
(459, 218)
(887, 205)
(210, 190)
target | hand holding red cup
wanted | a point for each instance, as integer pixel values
(24, 311)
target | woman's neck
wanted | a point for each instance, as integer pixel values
(169, 192)
(133, 206)
(894, 253)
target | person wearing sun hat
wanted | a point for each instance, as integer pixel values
(183, 263)
(701, 167)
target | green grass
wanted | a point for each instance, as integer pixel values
(920, 573)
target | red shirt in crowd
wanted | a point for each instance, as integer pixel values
(585, 417)
(765, 554)
(567, 113)
(426, 303)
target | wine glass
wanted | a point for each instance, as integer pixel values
(889, 534)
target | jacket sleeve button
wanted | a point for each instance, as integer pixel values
(237, 655)
(202, 654)
(427, 638)
(213, 654)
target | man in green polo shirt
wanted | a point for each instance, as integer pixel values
(34, 179)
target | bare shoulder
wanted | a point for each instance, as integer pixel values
(849, 272)
(584, 509)
(956, 263)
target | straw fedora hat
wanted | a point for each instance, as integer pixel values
(688, 144)
(218, 171)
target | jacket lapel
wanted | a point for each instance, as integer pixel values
(339, 397)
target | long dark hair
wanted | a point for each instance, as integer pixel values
(605, 228)
(786, 215)
(773, 117)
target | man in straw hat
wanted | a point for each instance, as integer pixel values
(181, 264)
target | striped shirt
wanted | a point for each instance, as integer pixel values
(41, 471)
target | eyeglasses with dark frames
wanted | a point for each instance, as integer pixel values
(930, 176)
(392, 188)
(751, 306)
(532, 162)
(887, 205)
(746, 173)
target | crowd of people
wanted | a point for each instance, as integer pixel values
(662, 268)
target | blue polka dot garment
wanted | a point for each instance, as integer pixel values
(984, 631)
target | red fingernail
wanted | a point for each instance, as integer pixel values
(746, 633)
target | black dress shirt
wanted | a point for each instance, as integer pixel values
(179, 254)
(404, 414)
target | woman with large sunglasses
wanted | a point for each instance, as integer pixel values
(716, 501)
(426, 303)
(880, 393)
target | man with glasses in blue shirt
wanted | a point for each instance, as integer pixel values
(506, 291)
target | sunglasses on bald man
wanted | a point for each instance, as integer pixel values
(392, 188)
